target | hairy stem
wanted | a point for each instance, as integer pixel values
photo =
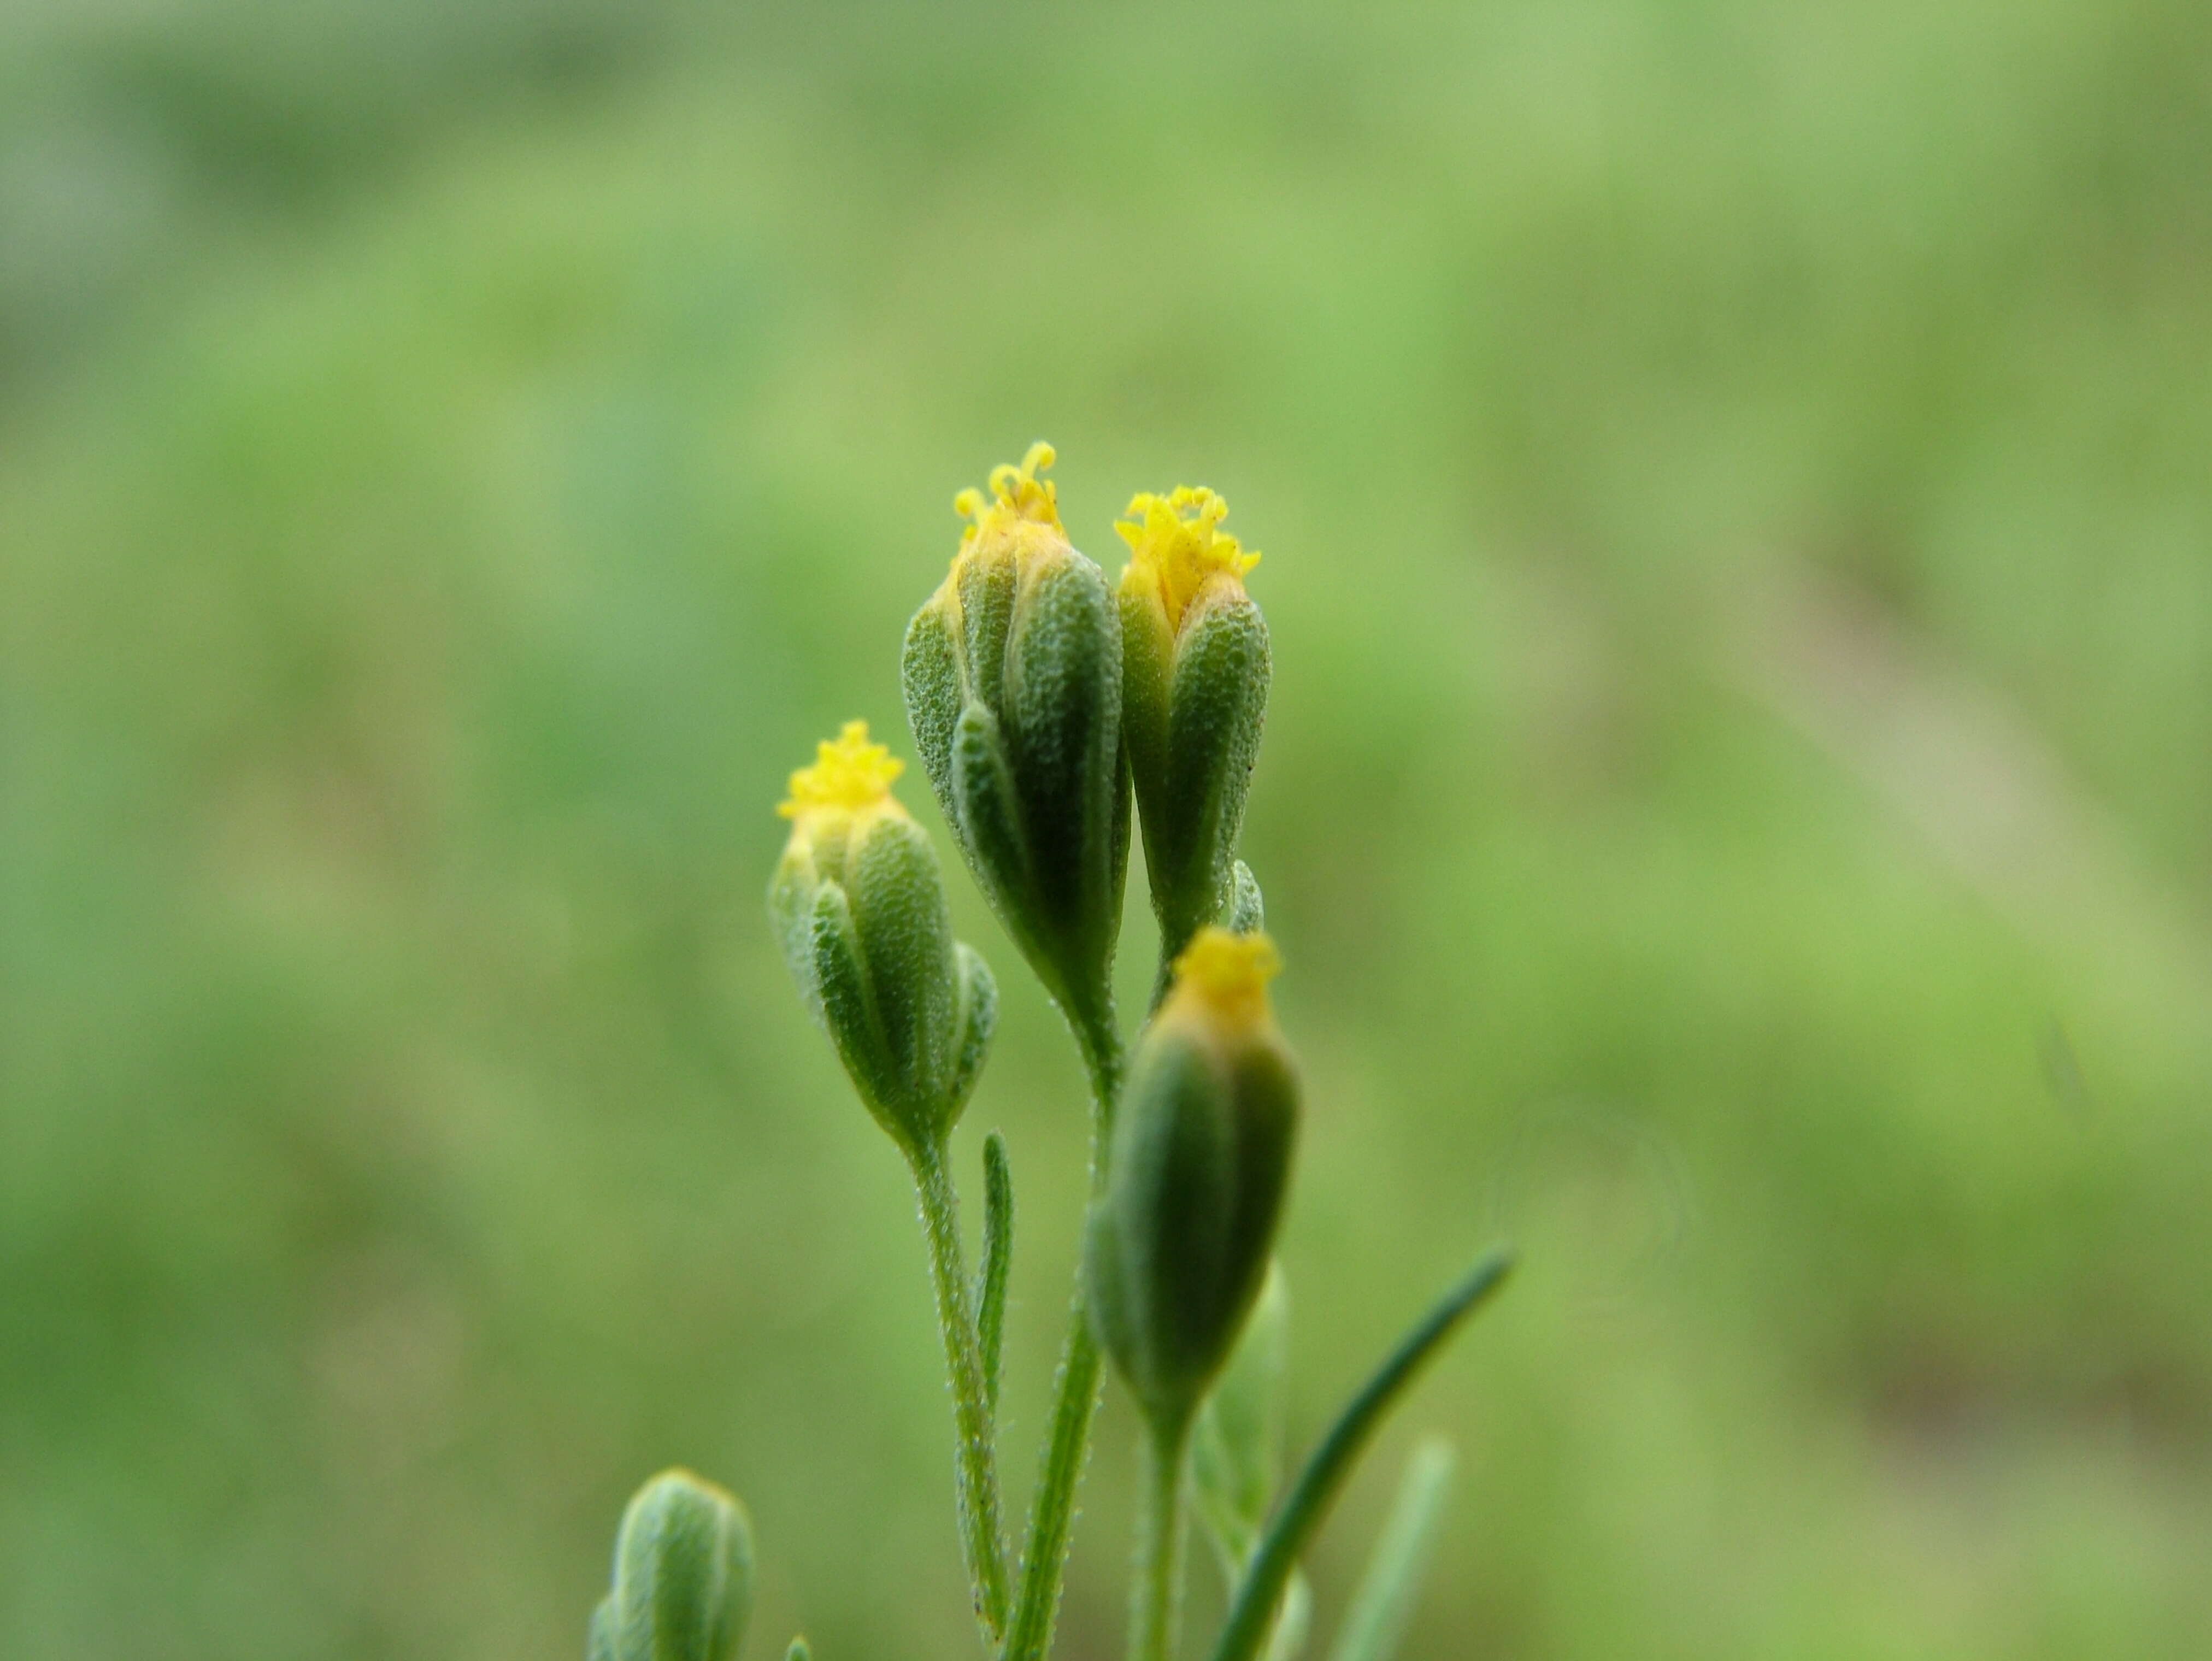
(976, 1464)
(998, 1263)
(1075, 1385)
(1156, 1588)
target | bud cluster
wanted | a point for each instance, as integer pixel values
(1049, 707)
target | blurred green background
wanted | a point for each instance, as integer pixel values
(1737, 802)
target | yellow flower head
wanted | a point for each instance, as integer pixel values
(1223, 978)
(850, 776)
(1018, 506)
(1178, 546)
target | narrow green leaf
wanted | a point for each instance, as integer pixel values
(1288, 1639)
(1384, 1602)
(1302, 1512)
(998, 1261)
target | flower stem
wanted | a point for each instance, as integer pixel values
(1156, 1588)
(1075, 1385)
(976, 1465)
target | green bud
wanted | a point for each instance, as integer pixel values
(1012, 675)
(1177, 1247)
(858, 906)
(683, 1576)
(1195, 678)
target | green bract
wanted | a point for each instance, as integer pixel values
(1177, 1247)
(1012, 675)
(682, 1578)
(858, 905)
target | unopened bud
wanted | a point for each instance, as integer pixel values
(1195, 678)
(858, 905)
(1177, 1246)
(1012, 675)
(683, 1576)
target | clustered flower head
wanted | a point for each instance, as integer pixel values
(1019, 509)
(840, 794)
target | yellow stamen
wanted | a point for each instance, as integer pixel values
(1177, 545)
(1017, 496)
(1227, 974)
(849, 775)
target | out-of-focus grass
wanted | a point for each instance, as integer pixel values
(1736, 809)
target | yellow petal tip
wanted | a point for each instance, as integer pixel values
(1177, 545)
(1016, 495)
(849, 775)
(1227, 974)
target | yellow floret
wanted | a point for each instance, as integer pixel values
(1225, 976)
(1017, 497)
(1178, 545)
(849, 775)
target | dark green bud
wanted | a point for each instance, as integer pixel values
(858, 906)
(1177, 1246)
(683, 1576)
(1012, 675)
(1194, 678)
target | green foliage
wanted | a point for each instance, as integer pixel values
(1384, 1606)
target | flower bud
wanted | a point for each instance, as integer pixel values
(1177, 1247)
(1012, 675)
(858, 906)
(1193, 693)
(683, 1576)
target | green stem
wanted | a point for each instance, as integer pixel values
(1300, 1515)
(998, 1264)
(1156, 1590)
(1075, 1385)
(976, 1464)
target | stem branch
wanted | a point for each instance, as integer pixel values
(1075, 1385)
(976, 1465)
